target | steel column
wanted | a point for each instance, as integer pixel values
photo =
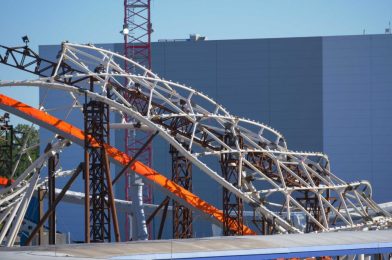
(41, 195)
(232, 205)
(264, 226)
(96, 116)
(86, 171)
(52, 163)
(182, 175)
(311, 203)
(111, 198)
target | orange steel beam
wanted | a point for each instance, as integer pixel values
(4, 181)
(76, 135)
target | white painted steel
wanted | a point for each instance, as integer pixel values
(294, 172)
(15, 199)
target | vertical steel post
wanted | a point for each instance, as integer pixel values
(99, 198)
(182, 175)
(86, 174)
(41, 195)
(232, 205)
(96, 115)
(52, 162)
(111, 198)
(86, 171)
(311, 203)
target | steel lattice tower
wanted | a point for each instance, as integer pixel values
(233, 208)
(137, 46)
(182, 175)
(98, 219)
(6, 143)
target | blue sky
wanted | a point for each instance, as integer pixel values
(99, 21)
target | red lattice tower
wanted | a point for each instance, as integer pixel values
(137, 46)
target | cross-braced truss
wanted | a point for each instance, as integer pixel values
(279, 184)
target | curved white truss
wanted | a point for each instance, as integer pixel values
(195, 125)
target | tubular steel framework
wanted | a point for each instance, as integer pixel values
(137, 46)
(280, 185)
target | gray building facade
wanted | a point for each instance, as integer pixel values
(329, 94)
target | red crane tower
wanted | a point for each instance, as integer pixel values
(137, 46)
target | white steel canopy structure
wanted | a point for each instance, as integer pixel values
(277, 183)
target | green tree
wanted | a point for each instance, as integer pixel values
(21, 133)
(29, 134)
